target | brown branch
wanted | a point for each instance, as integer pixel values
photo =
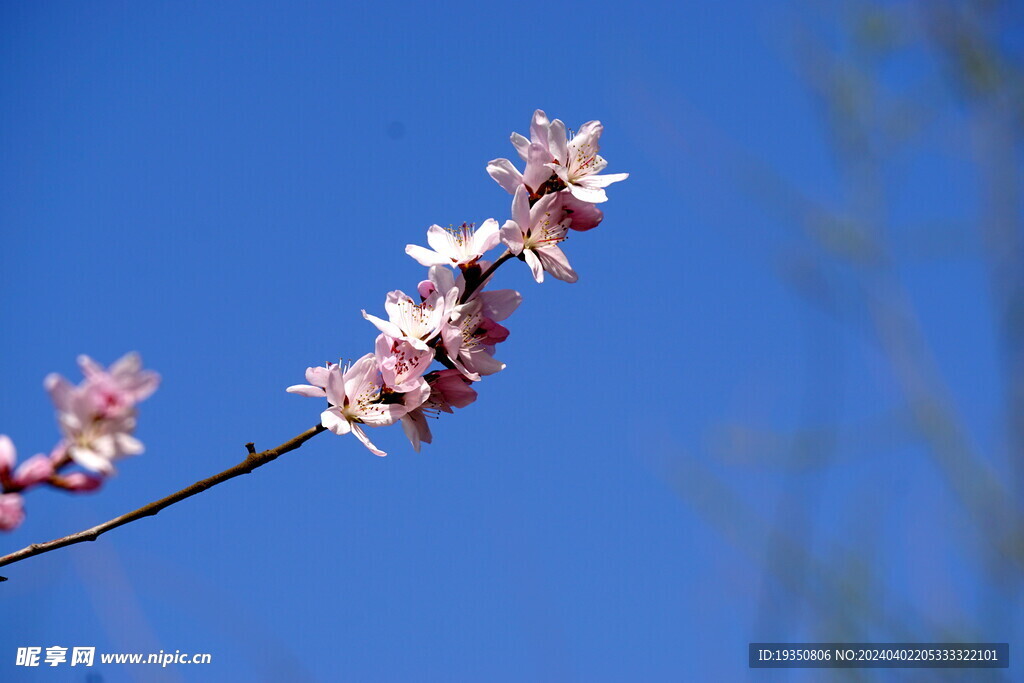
(251, 462)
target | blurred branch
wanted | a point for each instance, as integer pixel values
(853, 605)
(739, 443)
(857, 239)
(251, 462)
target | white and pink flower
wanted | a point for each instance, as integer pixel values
(470, 336)
(458, 247)
(95, 437)
(115, 392)
(550, 151)
(401, 364)
(535, 232)
(448, 389)
(577, 162)
(357, 397)
(415, 323)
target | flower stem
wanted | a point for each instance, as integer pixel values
(473, 286)
(251, 462)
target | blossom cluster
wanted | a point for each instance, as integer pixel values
(97, 422)
(453, 321)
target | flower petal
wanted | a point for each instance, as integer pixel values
(91, 460)
(535, 265)
(499, 304)
(385, 326)
(306, 390)
(505, 174)
(521, 208)
(539, 127)
(61, 391)
(127, 444)
(592, 182)
(437, 238)
(556, 263)
(317, 375)
(416, 429)
(512, 237)
(537, 171)
(334, 421)
(12, 511)
(34, 470)
(521, 144)
(586, 194)
(582, 215)
(361, 375)
(361, 435)
(424, 256)
(558, 142)
(486, 236)
(335, 389)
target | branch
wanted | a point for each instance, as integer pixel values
(251, 462)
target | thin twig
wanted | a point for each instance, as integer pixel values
(251, 462)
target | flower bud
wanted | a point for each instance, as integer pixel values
(36, 469)
(79, 482)
(12, 511)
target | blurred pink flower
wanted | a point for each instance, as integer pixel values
(12, 511)
(94, 440)
(8, 454)
(116, 391)
(78, 482)
(35, 470)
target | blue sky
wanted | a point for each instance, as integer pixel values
(223, 186)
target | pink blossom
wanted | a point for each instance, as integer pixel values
(470, 336)
(12, 511)
(441, 280)
(577, 162)
(78, 482)
(416, 323)
(414, 424)
(539, 135)
(356, 396)
(448, 389)
(401, 365)
(94, 440)
(116, 391)
(535, 233)
(535, 152)
(581, 215)
(35, 470)
(537, 172)
(317, 387)
(456, 247)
